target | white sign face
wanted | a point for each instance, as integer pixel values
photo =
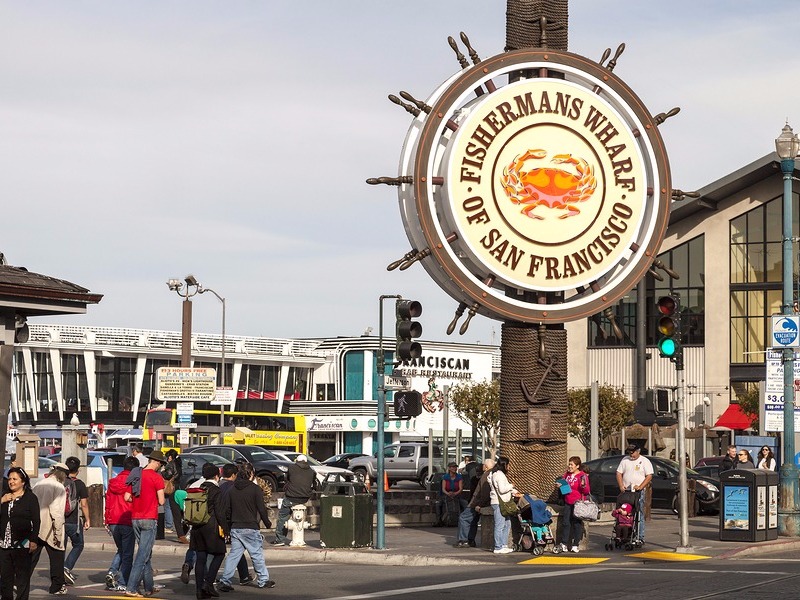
(186, 425)
(396, 383)
(785, 329)
(183, 437)
(184, 407)
(225, 396)
(186, 383)
(773, 396)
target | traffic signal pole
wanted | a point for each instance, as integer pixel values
(380, 534)
(680, 438)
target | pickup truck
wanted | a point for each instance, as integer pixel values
(404, 460)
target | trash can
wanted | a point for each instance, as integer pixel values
(748, 510)
(345, 514)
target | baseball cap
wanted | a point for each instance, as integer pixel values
(626, 507)
(301, 458)
(632, 448)
(61, 466)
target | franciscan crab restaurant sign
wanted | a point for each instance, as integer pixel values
(541, 200)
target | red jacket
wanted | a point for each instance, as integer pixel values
(579, 482)
(118, 512)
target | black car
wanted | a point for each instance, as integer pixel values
(603, 481)
(341, 460)
(192, 466)
(268, 466)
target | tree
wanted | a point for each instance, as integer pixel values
(749, 403)
(478, 402)
(615, 410)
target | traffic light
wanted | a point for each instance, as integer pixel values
(407, 404)
(669, 326)
(407, 330)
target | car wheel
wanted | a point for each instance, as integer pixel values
(360, 474)
(423, 479)
(271, 482)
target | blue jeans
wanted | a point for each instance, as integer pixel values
(283, 515)
(169, 523)
(125, 541)
(142, 570)
(74, 533)
(252, 541)
(641, 503)
(468, 524)
(502, 527)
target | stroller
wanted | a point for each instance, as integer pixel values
(628, 537)
(535, 519)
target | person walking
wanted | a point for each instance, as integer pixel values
(297, 490)
(144, 516)
(77, 521)
(20, 521)
(136, 451)
(572, 527)
(172, 473)
(206, 539)
(766, 459)
(241, 509)
(500, 488)
(469, 518)
(118, 522)
(52, 495)
(634, 473)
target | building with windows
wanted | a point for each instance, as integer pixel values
(109, 376)
(725, 247)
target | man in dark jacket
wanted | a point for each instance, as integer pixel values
(298, 489)
(470, 517)
(241, 507)
(729, 461)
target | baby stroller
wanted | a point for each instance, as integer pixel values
(624, 536)
(535, 519)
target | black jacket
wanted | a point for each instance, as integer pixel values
(727, 464)
(241, 506)
(25, 519)
(299, 481)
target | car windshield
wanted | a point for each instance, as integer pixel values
(674, 465)
(257, 455)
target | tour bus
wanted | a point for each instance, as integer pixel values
(271, 430)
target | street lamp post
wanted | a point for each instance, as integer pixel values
(224, 372)
(192, 288)
(788, 145)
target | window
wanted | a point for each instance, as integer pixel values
(406, 452)
(756, 274)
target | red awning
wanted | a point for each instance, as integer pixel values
(734, 418)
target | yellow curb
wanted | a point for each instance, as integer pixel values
(669, 556)
(565, 560)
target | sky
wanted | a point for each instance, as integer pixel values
(144, 140)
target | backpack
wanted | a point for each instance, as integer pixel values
(195, 507)
(72, 496)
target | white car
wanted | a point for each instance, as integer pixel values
(320, 469)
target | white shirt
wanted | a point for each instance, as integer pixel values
(767, 464)
(634, 471)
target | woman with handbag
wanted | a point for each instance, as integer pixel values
(501, 496)
(172, 473)
(571, 526)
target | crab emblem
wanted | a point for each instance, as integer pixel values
(547, 186)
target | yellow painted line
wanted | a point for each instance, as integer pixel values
(669, 556)
(562, 560)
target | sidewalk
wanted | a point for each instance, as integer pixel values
(423, 546)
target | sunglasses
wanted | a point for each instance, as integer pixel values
(742, 454)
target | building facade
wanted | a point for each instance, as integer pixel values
(109, 376)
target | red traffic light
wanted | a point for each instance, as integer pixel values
(667, 305)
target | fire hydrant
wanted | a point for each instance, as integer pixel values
(298, 525)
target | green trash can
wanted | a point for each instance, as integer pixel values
(345, 514)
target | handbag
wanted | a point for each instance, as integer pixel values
(586, 510)
(169, 487)
(508, 508)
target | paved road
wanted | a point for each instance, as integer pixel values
(770, 577)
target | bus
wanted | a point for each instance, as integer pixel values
(275, 431)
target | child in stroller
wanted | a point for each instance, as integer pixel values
(623, 519)
(626, 523)
(535, 519)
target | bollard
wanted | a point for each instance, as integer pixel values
(96, 501)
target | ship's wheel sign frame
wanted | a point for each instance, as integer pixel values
(540, 187)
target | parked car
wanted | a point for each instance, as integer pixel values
(268, 466)
(192, 466)
(320, 469)
(603, 481)
(342, 460)
(709, 461)
(99, 458)
(406, 460)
